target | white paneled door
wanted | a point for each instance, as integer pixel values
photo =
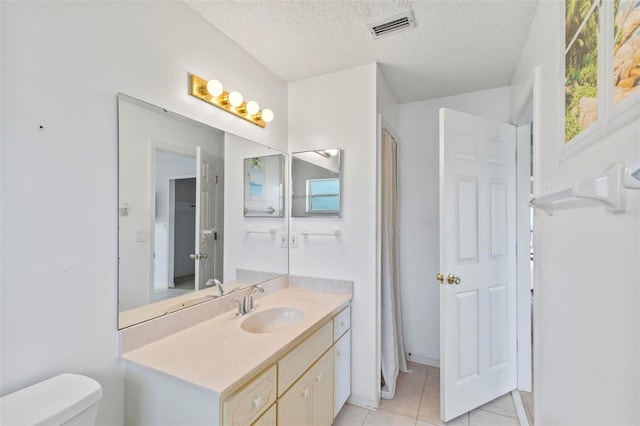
(207, 231)
(478, 360)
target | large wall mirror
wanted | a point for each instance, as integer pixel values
(182, 224)
(315, 183)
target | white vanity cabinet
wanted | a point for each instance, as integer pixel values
(341, 359)
(304, 385)
(342, 371)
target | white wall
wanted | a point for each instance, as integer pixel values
(387, 105)
(317, 122)
(62, 66)
(587, 276)
(418, 158)
(261, 253)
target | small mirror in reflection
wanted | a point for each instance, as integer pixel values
(263, 186)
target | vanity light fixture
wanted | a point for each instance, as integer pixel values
(213, 92)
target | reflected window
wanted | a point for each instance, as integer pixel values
(323, 195)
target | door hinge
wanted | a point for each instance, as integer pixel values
(216, 178)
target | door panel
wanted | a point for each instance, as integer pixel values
(322, 391)
(294, 405)
(342, 371)
(477, 244)
(206, 242)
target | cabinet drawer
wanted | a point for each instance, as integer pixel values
(341, 323)
(268, 418)
(296, 362)
(248, 403)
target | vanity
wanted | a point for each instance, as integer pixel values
(285, 363)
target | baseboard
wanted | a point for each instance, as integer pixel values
(433, 362)
(363, 402)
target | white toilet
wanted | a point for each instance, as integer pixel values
(67, 399)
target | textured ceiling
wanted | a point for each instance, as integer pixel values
(456, 47)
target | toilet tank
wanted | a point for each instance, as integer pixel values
(67, 399)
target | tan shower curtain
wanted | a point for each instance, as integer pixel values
(393, 356)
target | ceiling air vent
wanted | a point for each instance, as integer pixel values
(401, 22)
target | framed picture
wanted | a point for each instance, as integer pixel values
(264, 186)
(582, 31)
(626, 52)
(601, 70)
(255, 174)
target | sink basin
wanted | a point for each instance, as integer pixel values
(272, 320)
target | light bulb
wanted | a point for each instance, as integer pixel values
(252, 107)
(267, 115)
(214, 87)
(235, 98)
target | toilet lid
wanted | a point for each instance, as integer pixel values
(55, 400)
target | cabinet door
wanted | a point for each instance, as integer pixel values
(294, 406)
(322, 391)
(342, 371)
(268, 418)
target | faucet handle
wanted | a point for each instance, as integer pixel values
(241, 307)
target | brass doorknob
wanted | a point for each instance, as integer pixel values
(440, 278)
(452, 279)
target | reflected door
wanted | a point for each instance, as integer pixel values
(207, 244)
(477, 261)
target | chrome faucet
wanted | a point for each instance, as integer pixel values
(246, 304)
(217, 283)
(248, 299)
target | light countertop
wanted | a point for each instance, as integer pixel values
(219, 356)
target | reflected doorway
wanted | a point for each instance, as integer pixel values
(175, 211)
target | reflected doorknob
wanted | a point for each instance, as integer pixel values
(440, 277)
(198, 256)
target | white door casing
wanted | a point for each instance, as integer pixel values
(478, 356)
(206, 238)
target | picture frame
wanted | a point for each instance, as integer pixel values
(613, 110)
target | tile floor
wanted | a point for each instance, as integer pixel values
(417, 403)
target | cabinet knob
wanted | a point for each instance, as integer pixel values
(319, 377)
(305, 392)
(257, 401)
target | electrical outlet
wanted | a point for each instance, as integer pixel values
(294, 241)
(283, 240)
